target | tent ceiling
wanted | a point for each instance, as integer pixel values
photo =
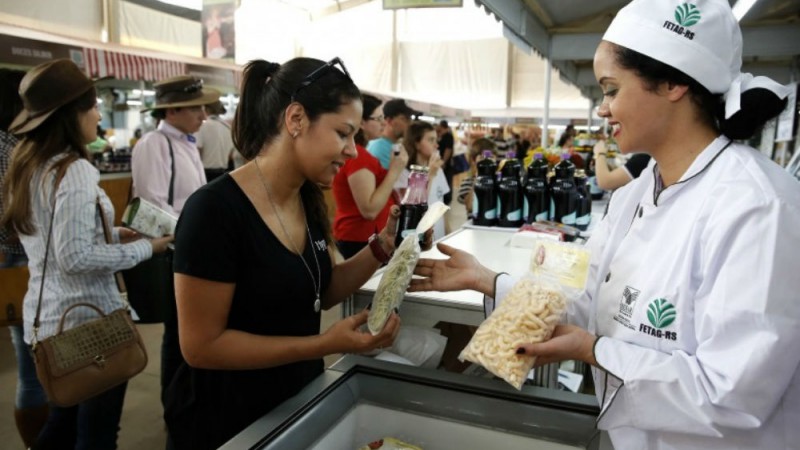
(568, 31)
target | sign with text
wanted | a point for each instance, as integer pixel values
(29, 52)
(403, 4)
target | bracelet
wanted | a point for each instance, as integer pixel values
(605, 155)
(377, 249)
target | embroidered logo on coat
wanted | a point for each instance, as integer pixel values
(626, 305)
(660, 314)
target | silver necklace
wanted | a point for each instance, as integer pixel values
(317, 287)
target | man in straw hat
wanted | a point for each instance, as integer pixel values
(165, 163)
(166, 170)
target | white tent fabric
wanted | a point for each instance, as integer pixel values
(146, 28)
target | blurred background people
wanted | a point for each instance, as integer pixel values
(30, 402)
(610, 179)
(446, 144)
(397, 116)
(363, 188)
(215, 142)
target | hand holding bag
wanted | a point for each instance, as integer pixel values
(80, 363)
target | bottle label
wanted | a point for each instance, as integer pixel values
(569, 219)
(583, 220)
(525, 207)
(514, 215)
(407, 232)
(542, 216)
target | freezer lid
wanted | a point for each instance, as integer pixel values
(555, 416)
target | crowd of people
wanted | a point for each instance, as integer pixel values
(255, 255)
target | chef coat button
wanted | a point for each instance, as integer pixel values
(608, 277)
(641, 211)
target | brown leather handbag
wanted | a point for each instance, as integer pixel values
(80, 363)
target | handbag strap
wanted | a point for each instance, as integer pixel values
(106, 231)
(171, 197)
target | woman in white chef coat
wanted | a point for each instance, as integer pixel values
(691, 315)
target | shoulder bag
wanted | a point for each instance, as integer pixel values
(80, 363)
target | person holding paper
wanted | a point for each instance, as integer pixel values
(51, 197)
(253, 259)
(690, 317)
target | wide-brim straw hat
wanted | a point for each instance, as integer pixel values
(46, 88)
(182, 92)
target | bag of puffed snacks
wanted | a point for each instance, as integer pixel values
(530, 311)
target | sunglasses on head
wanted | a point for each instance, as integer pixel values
(318, 73)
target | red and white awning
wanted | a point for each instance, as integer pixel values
(102, 63)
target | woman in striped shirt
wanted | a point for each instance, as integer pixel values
(59, 119)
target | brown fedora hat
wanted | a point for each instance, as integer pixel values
(44, 89)
(183, 91)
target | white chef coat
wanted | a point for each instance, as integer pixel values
(697, 294)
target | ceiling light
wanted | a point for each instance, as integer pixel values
(741, 8)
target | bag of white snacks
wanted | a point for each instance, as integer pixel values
(530, 311)
(399, 270)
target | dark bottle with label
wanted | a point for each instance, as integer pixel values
(591, 180)
(536, 204)
(563, 195)
(414, 203)
(509, 193)
(583, 216)
(484, 196)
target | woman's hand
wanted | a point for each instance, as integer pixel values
(568, 342)
(434, 164)
(398, 161)
(387, 235)
(600, 147)
(346, 335)
(126, 235)
(160, 244)
(460, 271)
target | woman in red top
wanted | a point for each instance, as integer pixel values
(362, 188)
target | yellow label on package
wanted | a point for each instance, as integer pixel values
(566, 263)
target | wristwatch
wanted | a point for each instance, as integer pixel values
(377, 249)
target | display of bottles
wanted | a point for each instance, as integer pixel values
(563, 194)
(484, 196)
(509, 193)
(414, 203)
(583, 216)
(536, 201)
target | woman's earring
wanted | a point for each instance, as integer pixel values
(296, 132)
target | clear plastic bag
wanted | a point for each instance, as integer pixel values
(530, 311)
(399, 271)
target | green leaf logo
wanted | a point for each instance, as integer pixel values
(661, 313)
(687, 15)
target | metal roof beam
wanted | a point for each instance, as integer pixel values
(518, 19)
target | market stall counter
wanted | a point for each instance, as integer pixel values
(360, 400)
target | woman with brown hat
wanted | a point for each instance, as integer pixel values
(253, 256)
(51, 182)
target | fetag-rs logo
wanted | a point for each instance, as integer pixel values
(686, 15)
(660, 314)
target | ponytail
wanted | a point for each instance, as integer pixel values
(757, 107)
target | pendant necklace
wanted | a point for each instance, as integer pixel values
(317, 287)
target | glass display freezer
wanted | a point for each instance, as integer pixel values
(359, 400)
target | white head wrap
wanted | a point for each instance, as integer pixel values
(701, 38)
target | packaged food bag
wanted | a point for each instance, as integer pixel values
(389, 443)
(530, 311)
(398, 272)
(148, 219)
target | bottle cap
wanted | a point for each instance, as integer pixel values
(565, 156)
(488, 153)
(416, 168)
(511, 154)
(538, 155)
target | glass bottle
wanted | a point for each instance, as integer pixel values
(414, 203)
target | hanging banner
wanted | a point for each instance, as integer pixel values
(219, 38)
(403, 4)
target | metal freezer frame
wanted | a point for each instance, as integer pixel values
(547, 414)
